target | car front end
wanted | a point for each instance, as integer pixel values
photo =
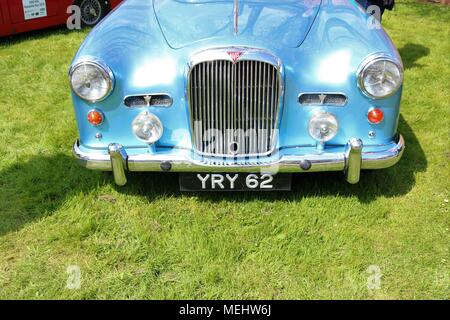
(248, 87)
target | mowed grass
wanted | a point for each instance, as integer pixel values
(149, 241)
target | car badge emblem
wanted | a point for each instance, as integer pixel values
(235, 55)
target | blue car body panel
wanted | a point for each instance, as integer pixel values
(321, 44)
(285, 22)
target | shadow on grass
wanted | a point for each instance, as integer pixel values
(36, 188)
(33, 189)
(412, 52)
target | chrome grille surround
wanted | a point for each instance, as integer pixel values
(238, 90)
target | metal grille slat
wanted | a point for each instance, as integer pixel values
(254, 105)
(220, 101)
(268, 99)
(238, 101)
(228, 110)
(247, 98)
(203, 103)
(209, 108)
(266, 104)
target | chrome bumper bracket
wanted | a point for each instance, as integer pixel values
(118, 163)
(353, 159)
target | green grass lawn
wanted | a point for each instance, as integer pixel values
(148, 240)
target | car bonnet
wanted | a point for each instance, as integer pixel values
(282, 22)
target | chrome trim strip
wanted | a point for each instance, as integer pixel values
(236, 17)
(221, 53)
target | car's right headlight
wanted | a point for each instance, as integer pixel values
(380, 77)
(91, 80)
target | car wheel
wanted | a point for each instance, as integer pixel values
(92, 11)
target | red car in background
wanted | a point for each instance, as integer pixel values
(17, 16)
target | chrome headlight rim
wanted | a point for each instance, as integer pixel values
(103, 68)
(369, 61)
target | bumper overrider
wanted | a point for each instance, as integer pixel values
(351, 161)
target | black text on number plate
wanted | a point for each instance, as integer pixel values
(234, 182)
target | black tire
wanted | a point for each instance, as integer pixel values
(92, 11)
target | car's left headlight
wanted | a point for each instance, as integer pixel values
(92, 81)
(380, 77)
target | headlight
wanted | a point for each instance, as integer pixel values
(380, 77)
(323, 126)
(91, 80)
(147, 127)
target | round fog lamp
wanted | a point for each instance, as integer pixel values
(147, 127)
(323, 126)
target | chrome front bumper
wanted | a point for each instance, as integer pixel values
(351, 161)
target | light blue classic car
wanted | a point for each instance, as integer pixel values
(237, 95)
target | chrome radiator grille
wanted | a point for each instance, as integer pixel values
(234, 107)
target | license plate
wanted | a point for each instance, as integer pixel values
(235, 182)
